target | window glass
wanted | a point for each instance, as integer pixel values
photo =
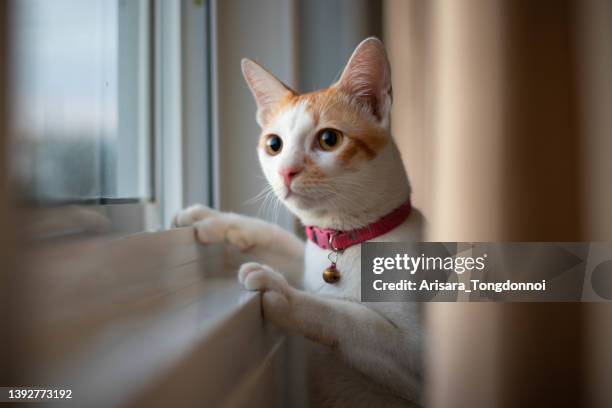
(83, 100)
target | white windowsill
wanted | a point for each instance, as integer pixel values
(147, 319)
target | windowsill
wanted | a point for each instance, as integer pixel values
(140, 318)
(131, 356)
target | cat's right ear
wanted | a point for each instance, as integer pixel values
(367, 77)
(268, 91)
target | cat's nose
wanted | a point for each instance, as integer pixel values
(289, 174)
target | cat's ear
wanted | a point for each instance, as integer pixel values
(367, 77)
(267, 89)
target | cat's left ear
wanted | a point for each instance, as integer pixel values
(266, 88)
(367, 77)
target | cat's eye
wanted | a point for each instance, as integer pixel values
(274, 144)
(329, 139)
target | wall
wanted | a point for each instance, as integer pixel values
(264, 32)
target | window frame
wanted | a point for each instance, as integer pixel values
(176, 95)
(182, 106)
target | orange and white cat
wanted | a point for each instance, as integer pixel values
(330, 158)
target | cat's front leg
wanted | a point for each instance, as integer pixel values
(214, 226)
(239, 230)
(382, 350)
(265, 241)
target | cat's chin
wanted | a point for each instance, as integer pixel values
(297, 200)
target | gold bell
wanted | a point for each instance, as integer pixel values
(331, 274)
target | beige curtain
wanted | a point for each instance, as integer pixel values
(502, 110)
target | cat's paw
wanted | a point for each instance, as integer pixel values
(277, 294)
(227, 228)
(255, 276)
(190, 215)
(219, 227)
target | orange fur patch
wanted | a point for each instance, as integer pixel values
(312, 172)
(287, 102)
(336, 109)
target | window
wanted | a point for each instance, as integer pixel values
(112, 106)
(83, 100)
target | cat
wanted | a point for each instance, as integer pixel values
(329, 157)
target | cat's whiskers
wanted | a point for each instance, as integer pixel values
(266, 196)
(259, 196)
(271, 201)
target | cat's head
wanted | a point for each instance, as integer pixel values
(328, 154)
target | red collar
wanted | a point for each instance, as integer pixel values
(335, 240)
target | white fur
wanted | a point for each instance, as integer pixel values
(363, 354)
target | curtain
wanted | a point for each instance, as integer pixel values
(502, 114)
